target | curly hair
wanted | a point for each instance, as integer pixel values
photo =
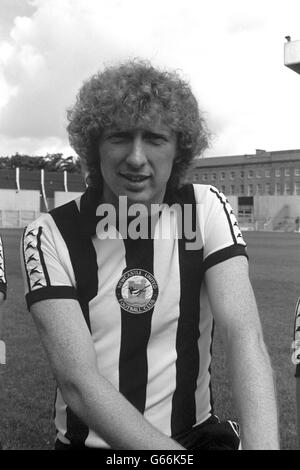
(132, 94)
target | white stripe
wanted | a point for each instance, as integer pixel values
(203, 395)
(161, 349)
(105, 317)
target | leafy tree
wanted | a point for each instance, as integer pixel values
(49, 162)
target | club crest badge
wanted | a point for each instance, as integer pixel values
(137, 291)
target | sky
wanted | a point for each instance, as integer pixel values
(231, 53)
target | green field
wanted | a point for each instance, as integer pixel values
(27, 386)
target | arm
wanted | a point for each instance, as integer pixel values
(235, 312)
(93, 399)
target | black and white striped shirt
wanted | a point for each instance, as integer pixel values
(144, 302)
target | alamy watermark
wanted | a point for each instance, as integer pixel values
(160, 221)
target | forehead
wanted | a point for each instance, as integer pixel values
(145, 128)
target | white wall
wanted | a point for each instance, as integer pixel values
(269, 206)
(24, 200)
(62, 197)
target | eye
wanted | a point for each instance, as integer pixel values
(156, 139)
(119, 138)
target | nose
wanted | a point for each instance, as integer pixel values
(136, 157)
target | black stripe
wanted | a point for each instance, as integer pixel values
(187, 364)
(41, 254)
(224, 254)
(84, 261)
(51, 292)
(226, 212)
(135, 331)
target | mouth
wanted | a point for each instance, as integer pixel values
(135, 178)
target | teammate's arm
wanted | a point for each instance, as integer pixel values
(93, 399)
(235, 312)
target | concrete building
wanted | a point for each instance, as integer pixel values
(264, 173)
(265, 186)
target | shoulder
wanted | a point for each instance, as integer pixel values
(207, 192)
(44, 221)
(205, 195)
(47, 225)
(191, 193)
(207, 198)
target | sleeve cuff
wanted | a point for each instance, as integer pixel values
(53, 292)
(224, 254)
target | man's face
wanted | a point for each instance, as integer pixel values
(136, 163)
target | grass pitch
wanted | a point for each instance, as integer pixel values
(27, 385)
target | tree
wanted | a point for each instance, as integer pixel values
(50, 162)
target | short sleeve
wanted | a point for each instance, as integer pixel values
(3, 281)
(222, 237)
(46, 265)
(296, 340)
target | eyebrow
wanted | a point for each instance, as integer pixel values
(156, 135)
(117, 133)
(145, 133)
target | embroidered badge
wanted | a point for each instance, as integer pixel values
(137, 291)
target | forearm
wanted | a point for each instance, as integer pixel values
(111, 416)
(254, 392)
